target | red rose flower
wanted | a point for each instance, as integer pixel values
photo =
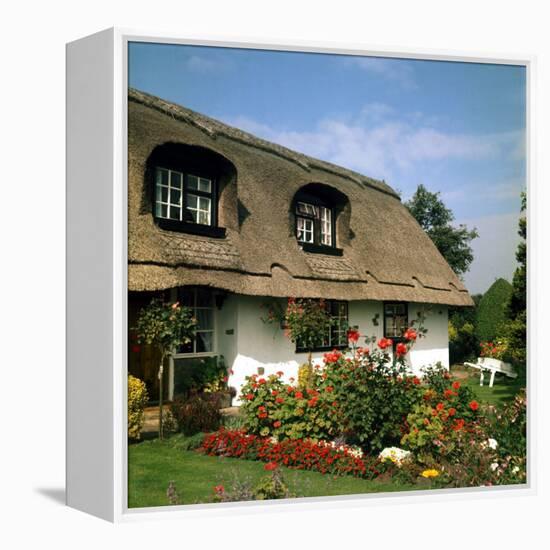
(452, 411)
(219, 489)
(261, 381)
(440, 406)
(277, 424)
(353, 335)
(474, 405)
(274, 393)
(299, 395)
(384, 343)
(456, 385)
(416, 380)
(279, 400)
(329, 389)
(410, 334)
(401, 349)
(250, 396)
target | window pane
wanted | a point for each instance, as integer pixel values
(205, 319)
(163, 210)
(192, 182)
(175, 196)
(162, 176)
(191, 216)
(186, 348)
(175, 180)
(204, 204)
(192, 201)
(205, 185)
(175, 212)
(204, 341)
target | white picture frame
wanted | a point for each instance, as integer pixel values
(97, 277)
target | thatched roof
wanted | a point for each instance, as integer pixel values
(386, 255)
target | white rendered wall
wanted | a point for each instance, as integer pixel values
(255, 344)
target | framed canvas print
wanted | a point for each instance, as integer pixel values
(304, 271)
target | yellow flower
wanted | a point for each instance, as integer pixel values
(430, 473)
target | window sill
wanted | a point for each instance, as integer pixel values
(194, 355)
(191, 228)
(323, 348)
(321, 249)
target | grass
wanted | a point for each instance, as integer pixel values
(153, 464)
(504, 389)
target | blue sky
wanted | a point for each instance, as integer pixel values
(457, 128)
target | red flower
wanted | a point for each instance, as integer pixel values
(384, 343)
(280, 373)
(277, 424)
(410, 334)
(401, 349)
(458, 425)
(440, 406)
(274, 393)
(474, 405)
(353, 335)
(332, 357)
(225, 379)
(312, 402)
(426, 422)
(456, 385)
(416, 380)
(279, 400)
(299, 395)
(329, 389)
(250, 396)
(261, 381)
(448, 393)
(452, 411)
(270, 466)
(219, 489)
(262, 415)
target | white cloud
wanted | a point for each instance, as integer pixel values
(378, 143)
(395, 70)
(201, 64)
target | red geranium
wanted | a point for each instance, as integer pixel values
(250, 396)
(279, 400)
(299, 395)
(353, 335)
(277, 424)
(474, 405)
(452, 411)
(416, 380)
(456, 384)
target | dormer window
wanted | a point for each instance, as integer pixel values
(186, 184)
(313, 224)
(184, 197)
(315, 227)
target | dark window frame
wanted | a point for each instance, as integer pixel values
(329, 347)
(316, 246)
(395, 339)
(185, 226)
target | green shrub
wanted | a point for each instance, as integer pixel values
(195, 374)
(199, 413)
(492, 310)
(137, 400)
(463, 343)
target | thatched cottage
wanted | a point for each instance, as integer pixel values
(225, 222)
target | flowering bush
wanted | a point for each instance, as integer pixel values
(447, 408)
(272, 408)
(372, 393)
(137, 399)
(306, 321)
(301, 454)
(495, 350)
(395, 455)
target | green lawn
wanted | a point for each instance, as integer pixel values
(503, 390)
(153, 464)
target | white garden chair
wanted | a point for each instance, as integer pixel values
(493, 366)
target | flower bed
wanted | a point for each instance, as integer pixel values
(300, 454)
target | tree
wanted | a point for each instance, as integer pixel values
(166, 326)
(515, 331)
(492, 310)
(435, 218)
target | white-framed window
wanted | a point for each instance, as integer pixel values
(314, 224)
(336, 334)
(305, 230)
(183, 197)
(202, 303)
